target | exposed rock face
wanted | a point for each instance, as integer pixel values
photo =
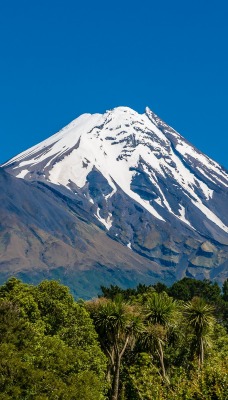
(138, 183)
(208, 249)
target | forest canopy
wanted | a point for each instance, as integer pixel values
(151, 342)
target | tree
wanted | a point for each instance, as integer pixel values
(199, 318)
(48, 345)
(187, 288)
(161, 313)
(225, 290)
(117, 324)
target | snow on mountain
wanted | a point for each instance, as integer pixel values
(120, 194)
(126, 147)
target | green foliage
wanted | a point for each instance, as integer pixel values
(187, 288)
(48, 345)
(225, 290)
(160, 308)
(134, 344)
(118, 323)
(199, 315)
(145, 383)
(112, 291)
(200, 321)
(182, 351)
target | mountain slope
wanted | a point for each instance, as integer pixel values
(149, 188)
(45, 235)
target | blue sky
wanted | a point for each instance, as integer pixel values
(62, 58)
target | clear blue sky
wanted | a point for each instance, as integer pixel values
(62, 58)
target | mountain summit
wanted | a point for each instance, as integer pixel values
(142, 183)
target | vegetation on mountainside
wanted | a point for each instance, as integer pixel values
(147, 343)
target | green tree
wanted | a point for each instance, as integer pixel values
(161, 314)
(225, 290)
(187, 288)
(49, 348)
(199, 318)
(117, 324)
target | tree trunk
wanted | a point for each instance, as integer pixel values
(116, 380)
(161, 356)
(108, 374)
(110, 354)
(201, 354)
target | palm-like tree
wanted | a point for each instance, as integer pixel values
(117, 324)
(161, 309)
(199, 318)
(161, 314)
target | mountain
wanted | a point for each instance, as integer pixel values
(48, 235)
(140, 196)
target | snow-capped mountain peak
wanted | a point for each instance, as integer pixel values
(137, 154)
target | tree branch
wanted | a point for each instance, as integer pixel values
(125, 345)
